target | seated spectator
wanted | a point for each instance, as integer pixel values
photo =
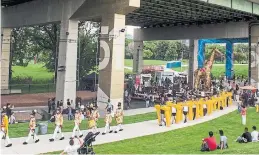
(209, 144)
(255, 135)
(245, 138)
(223, 144)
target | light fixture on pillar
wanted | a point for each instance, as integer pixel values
(67, 33)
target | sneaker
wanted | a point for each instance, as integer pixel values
(103, 133)
(110, 131)
(62, 138)
(75, 136)
(37, 141)
(51, 140)
(9, 145)
(121, 130)
(24, 143)
(115, 132)
(81, 136)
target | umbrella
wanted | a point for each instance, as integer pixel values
(248, 88)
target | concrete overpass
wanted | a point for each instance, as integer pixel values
(158, 19)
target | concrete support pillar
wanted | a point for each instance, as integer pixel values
(111, 67)
(193, 62)
(67, 61)
(254, 40)
(5, 59)
(138, 57)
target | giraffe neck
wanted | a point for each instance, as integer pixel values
(211, 60)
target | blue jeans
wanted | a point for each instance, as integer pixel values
(69, 116)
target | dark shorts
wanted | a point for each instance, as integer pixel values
(174, 114)
(185, 113)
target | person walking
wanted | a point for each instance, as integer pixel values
(4, 129)
(108, 121)
(32, 126)
(59, 125)
(77, 121)
(119, 118)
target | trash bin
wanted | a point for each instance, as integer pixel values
(43, 128)
(37, 129)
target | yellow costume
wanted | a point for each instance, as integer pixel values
(77, 121)
(32, 126)
(4, 130)
(59, 125)
(92, 122)
(119, 116)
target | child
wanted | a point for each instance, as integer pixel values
(108, 121)
(119, 118)
(78, 120)
(59, 125)
(32, 126)
(243, 114)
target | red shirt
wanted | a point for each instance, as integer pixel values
(243, 111)
(211, 141)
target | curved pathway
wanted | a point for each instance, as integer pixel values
(130, 131)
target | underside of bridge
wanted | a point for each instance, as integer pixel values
(167, 13)
(162, 13)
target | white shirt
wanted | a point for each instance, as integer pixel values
(173, 110)
(72, 150)
(254, 135)
(185, 108)
(204, 106)
(126, 93)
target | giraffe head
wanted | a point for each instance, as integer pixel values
(217, 52)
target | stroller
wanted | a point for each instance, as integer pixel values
(87, 147)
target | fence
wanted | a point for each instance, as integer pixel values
(33, 88)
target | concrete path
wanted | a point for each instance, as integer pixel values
(144, 128)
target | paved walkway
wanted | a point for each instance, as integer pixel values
(144, 128)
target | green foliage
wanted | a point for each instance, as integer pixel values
(166, 50)
(147, 54)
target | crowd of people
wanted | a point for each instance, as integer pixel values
(78, 114)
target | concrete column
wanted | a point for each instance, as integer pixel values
(138, 57)
(111, 67)
(67, 61)
(255, 56)
(5, 59)
(193, 62)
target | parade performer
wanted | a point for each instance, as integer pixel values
(32, 126)
(4, 129)
(119, 118)
(78, 120)
(92, 122)
(108, 121)
(59, 125)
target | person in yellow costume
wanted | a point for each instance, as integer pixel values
(119, 118)
(59, 125)
(4, 129)
(108, 121)
(32, 126)
(78, 120)
(94, 116)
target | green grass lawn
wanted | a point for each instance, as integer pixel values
(21, 129)
(187, 140)
(129, 62)
(36, 71)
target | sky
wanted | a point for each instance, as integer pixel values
(130, 29)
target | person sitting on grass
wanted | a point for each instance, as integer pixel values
(245, 138)
(223, 141)
(209, 144)
(255, 135)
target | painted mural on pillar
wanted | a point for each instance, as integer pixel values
(229, 52)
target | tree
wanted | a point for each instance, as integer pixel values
(147, 54)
